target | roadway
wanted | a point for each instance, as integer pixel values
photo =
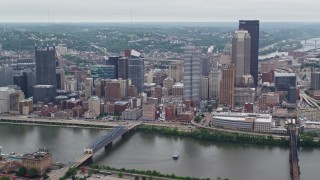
(65, 122)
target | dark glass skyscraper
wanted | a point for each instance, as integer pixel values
(46, 81)
(136, 73)
(113, 60)
(252, 26)
(123, 68)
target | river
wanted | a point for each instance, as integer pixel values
(148, 151)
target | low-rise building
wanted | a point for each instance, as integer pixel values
(243, 121)
(149, 111)
(40, 160)
(186, 116)
(131, 114)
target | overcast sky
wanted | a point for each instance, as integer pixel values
(158, 10)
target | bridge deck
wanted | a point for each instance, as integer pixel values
(294, 160)
(95, 145)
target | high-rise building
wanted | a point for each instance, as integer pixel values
(136, 73)
(6, 74)
(191, 73)
(46, 81)
(214, 83)
(112, 90)
(123, 68)
(204, 88)
(283, 81)
(315, 80)
(45, 66)
(252, 26)
(241, 45)
(206, 64)
(88, 87)
(113, 60)
(176, 71)
(21, 80)
(227, 86)
(124, 84)
(95, 105)
(103, 71)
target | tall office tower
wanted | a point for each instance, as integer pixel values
(98, 87)
(124, 84)
(136, 73)
(227, 86)
(112, 90)
(60, 76)
(226, 54)
(315, 81)
(46, 82)
(45, 66)
(6, 74)
(113, 60)
(191, 73)
(176, 71)
(21, 80)
(60, 73)
(252, 26)
(214, 83)
(123, 68)
(241, 45)
(206, 64)
(88, 87)
(204, 95)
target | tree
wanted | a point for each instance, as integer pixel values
(45, 176)
(150, 178)
(5, 178)
(22, 171)
(144, 178)
(32, 172)
(120, 174)
(136, 178)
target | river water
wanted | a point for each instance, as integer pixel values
(153, 152)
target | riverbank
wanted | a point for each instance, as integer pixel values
(148, 174)
(205, 134)
(60, 122)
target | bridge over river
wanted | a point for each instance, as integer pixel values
(104, 141)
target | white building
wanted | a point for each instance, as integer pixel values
(243, 121)
(7, 102)
(131, 114)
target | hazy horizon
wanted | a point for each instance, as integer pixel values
(158, 11)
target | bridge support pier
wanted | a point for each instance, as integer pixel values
(108, 146)
(89, 161)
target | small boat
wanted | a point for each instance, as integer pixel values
(175, 155)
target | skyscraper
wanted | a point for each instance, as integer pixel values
(113, 60)
(192, 73)
(136, 73)
(175, 71)
(252, 26)
(46, 82)
(46, 66)
(315, 80)
(227, 86)
(241, 45)
(123, 68)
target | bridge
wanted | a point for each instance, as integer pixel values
(293, 158)
(104, 141)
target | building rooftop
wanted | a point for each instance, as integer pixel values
(231, 116)
(38, 155)
(277, 74)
